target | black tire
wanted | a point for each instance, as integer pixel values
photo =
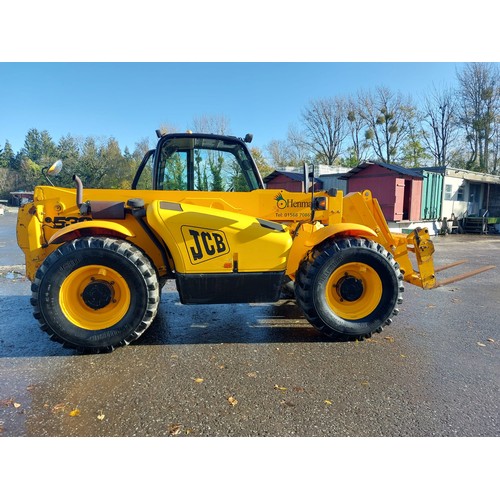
(349, 288)
(96, 293)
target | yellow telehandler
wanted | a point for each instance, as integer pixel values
(197, 213)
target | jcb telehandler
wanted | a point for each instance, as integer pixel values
(197, 213)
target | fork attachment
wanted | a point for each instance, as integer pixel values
(460, 277)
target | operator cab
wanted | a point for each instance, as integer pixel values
(199, 162)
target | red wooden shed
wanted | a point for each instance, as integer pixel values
(397, 189)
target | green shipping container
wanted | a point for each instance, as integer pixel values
(432, 195)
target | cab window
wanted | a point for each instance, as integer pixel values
(205, 164)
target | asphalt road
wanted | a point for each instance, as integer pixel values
(261, 370)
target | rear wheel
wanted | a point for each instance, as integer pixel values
(349, 288)
(94, 294)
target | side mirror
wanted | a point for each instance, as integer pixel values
(55, 168)
(52, 171)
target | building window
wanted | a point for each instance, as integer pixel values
(460, 193)
(448, 191)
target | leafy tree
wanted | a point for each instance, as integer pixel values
(176, 177)
(262, 165)
(33, 145)
(30, 174)
(49, 149)
(90, 168)
(39, 147)
(7, 156)
(237, 181)
(200, 168)
(215, 165)
(115, 171)
(68, 150)
(414, 153)
(351, 160)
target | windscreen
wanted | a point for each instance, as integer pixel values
(205, 164)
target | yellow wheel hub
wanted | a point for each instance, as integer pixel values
(94, 297)
(353, 291)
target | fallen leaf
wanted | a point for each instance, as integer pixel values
(232, 401)
(16, 405)
(222, 367)
(279, 388)
(490, 340)
(74, 413)
(198, 380)
(252, 374)
(390, 339)
(7, 402)
(100, 415)
(59, 407)
(481, 344)
(328, 402)
(174, 429)
(365, 383)
(403, 355)
(298, 389)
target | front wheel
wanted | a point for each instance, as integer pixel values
(94, 294)
(349, 288)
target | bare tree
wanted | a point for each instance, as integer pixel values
(297, 147)
(325, 124)
(439, 124)
(387, 116)
(357, 128)
(479, 95)
(211, 124)
(167, 128)
(278, 152)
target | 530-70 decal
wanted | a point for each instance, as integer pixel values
(204, 244)
(60, 222)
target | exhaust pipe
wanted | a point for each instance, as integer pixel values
(79, 191)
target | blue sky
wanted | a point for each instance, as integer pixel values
(128, 101)
(84, 84)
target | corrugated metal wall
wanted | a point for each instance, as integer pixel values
(432, 195)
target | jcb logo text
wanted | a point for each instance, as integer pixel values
(204, 244)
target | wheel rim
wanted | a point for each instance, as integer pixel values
(354, 290)
(94, 297)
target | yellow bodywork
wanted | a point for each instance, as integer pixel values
(219, 232)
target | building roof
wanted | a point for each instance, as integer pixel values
(395, 168)
(291, 175)
(468, 175)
